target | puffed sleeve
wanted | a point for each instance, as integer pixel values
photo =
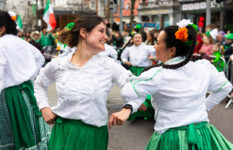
(136, 90)
(113, 53)
(3, 62)
(151, 50)
(120, 74)
(39, 59)
(125, 55)
(46, 76)
(219, 86)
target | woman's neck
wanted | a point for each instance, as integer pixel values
(81, 56)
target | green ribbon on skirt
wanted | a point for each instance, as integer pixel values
(192, 136)
(21, 124)
(195, 136)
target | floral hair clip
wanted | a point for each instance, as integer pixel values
(182, 32)
(13, 15)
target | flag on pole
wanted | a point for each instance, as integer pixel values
(19, 22)
(49, 16)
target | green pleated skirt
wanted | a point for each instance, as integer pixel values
(200, 136)
(75, 135)
(21, 123)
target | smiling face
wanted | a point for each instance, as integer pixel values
(97, 38)
(162, 52)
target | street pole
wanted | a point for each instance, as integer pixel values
(96, 7)
(208, 12)
(36, 15)
(121, 16)
(132, 14)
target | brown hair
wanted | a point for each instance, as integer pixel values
(88, 22)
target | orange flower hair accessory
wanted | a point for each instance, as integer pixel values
(182, 34)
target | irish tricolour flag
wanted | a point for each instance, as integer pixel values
(49, 16)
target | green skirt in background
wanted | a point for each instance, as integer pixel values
(199, 136)
(22, 125)
(75, 135)
(149, 113)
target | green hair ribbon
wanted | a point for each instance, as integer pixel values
(70, 25)
(188, 43)
(194, 26)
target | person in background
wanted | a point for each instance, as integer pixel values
(228, 47)
(47, 41)
(35, 36)
(199, 42)
(138, 57)
(218, 62)
(150, 37)
(207, 48)
(21, 123)
(27, 36)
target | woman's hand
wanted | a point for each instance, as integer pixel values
(48, 115)
(128, 63)
(119, 118)
(231, 57)
(152, 58)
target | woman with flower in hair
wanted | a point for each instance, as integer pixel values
(179, 87)
(21, 123)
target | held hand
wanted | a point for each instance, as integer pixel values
(48, 115)
(119, 118)
(152, 58)
(142, 107)
(128, 63)
(54, 56)
(231, 57)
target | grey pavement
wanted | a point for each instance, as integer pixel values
(135, 135)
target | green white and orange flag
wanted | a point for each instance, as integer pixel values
(49, 16)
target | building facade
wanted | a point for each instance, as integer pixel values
(220, 12)
(161, 12)
(2, 4)
(24, 8)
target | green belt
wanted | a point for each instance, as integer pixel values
(20, 116)
(136, 70)
(192, 135)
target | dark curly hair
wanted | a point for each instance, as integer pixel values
(88, 22)
(182, 49)
(8, 23)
